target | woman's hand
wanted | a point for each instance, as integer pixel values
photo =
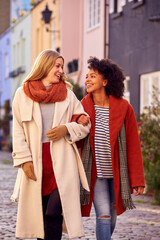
(57, 132)
(83, 119)
(29, 170)
(139, 190)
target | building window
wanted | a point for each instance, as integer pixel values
(116, 6)
(73, 66)
(147, 84)
(94, 13)
(6, 66)
(23, 52)
(127, 88)
(14, 57)
(137, 3)
(18, 54)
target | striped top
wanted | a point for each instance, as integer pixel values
(102, 143)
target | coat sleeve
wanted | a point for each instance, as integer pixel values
(134, 155)
(77, 131)
(21, 152)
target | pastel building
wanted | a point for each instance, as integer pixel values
(82, 35)
(45, 35)
(5, 63)
(93, 33)
(21, 51)
(5, 82)
(17, 6)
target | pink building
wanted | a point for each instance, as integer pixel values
(82, 35)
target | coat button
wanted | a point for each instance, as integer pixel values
(13, 154)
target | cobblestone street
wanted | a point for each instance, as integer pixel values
(143, 223)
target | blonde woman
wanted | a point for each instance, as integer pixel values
(44, 150)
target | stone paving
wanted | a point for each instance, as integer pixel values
(143, 223)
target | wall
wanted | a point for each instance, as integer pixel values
(5, 81)
(134, 44)
(71, 31)
(21, 50)
(4, 15)
(41, 39)
(93, 39)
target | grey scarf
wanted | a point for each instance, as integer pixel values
(87, 163)
(123, 166)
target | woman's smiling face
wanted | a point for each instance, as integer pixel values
(95, 81)
(55, 74)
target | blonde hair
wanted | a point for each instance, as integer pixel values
(43, 64)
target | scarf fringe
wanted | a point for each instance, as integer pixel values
(123, 167)
(87, 163)
(128, 203)
(84, 197)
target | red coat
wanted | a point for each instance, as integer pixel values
(119, 111)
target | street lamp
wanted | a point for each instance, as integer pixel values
(46, 16)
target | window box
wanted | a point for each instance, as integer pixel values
(138, 4)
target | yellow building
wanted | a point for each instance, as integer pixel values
(45, 35)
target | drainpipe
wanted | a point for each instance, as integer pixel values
(80, 60)
(106, 29)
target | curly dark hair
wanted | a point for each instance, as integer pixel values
(110, 71)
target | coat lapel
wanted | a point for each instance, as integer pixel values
(60, 109)
(88, 105)
(117, 112)
(30, 109)
(26, 108)
(37, 115)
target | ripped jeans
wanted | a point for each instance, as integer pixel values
(104, 204)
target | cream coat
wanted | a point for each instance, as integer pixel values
(67, 165)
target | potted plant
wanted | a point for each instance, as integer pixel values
(14, 20)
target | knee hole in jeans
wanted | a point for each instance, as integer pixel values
(105, 217)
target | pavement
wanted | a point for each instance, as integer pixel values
(142, 223)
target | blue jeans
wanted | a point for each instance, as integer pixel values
(105, 208)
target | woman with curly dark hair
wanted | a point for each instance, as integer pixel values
(113, 169)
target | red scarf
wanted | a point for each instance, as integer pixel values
(36, 90)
